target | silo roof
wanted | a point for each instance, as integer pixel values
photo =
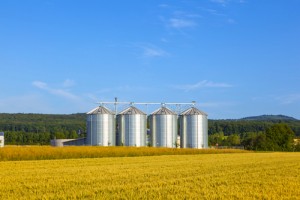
(163, 111)
(100, 110)
(132, 111)
(193, 111)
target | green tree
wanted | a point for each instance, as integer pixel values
(60, 135)
(72, 135)
(254, 141)
(260, 142)
(216, 139)
(234, 140)
(279, 137)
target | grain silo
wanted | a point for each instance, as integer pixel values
(132, 127)
(1, 139)
(101, 127)
(193, 129)
(163, 128)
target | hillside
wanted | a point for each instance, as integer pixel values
(22, 128)
(252, 124)
(270, 118)
(44, 122)
(40, 128)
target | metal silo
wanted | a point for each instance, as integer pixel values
(163, 128)
(193, 129)
(101, 127)
(132, 127)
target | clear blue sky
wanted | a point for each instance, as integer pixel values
(236, 58)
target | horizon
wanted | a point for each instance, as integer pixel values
(149, 114)
(235, 58)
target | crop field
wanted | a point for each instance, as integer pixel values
(13, 153)
(201, 176)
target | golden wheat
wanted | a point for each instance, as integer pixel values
(47, 152)
(207, 176)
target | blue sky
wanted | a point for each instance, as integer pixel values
(235, 58)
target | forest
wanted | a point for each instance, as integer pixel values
(266, 132)
(39, 129)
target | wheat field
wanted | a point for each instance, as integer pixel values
(204, 176)
(14, 153)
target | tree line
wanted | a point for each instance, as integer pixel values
(30, 129)
(265, 134)
(277, 137)
(229, 127)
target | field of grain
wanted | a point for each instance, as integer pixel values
(14, 153)
(203, 176)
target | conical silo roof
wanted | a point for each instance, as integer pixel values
(163, 111)
(132, 111)
(100, 110)
(193, 111)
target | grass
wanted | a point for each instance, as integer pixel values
(201, 176)
(15, 153)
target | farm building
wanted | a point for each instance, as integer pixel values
(1, 139)
(193, 129)
(68, 142)
(163, 128)
(101, 127)
(129, 127)
(132, 127)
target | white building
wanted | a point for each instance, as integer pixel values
(1, 139)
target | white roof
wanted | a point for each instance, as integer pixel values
(163, 111)
(100, 110)
(132, 111)
(193, 111)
